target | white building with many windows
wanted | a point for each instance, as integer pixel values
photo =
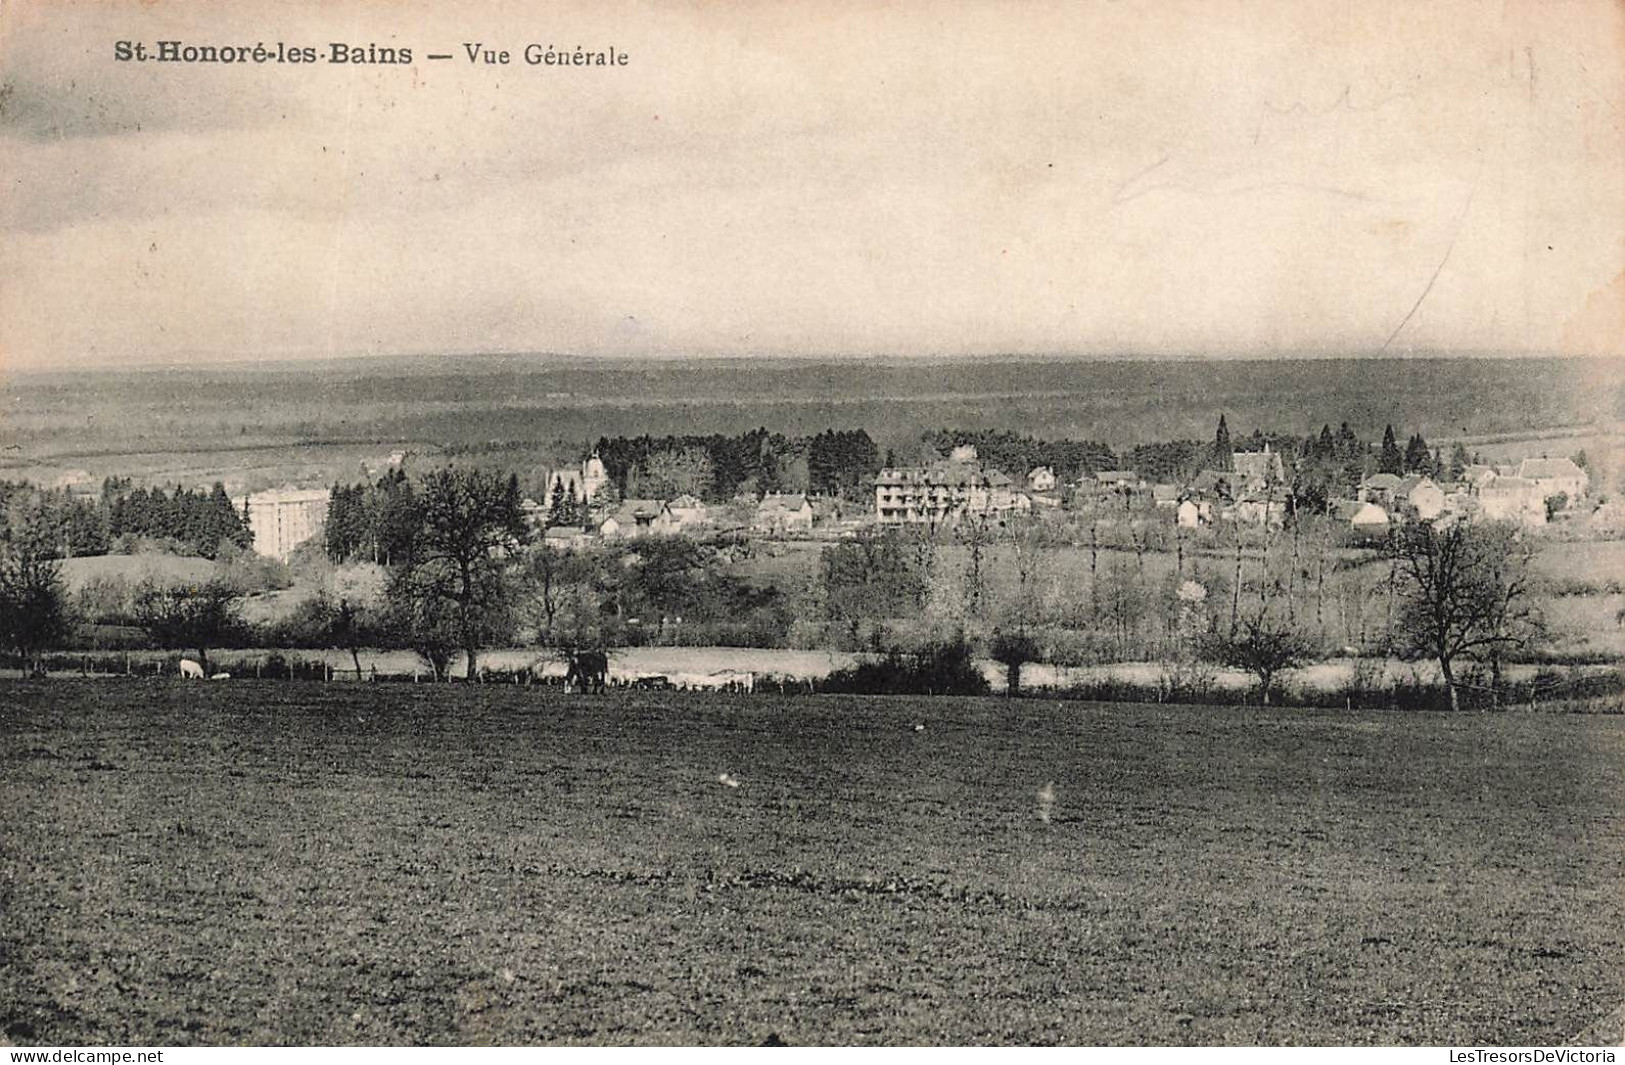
(284, 518)
(945, 492)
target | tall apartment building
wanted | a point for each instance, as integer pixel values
(283, 519)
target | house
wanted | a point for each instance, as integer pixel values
(1419, 495)
(1041, 479)
(1512, 499)
(1476, 477)
(1554, 476)
(638, 517)
(688, 512)
(1379, 488)
(1365, 519)
(1258, 470)
(1193, 513)
(783, 513)
(566, 537)
(1164, 495)
(1117, 479)
(1210, 484)
(1259, 509)
(1360, 514)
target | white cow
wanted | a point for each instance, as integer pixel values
(727, 680)
(221, 676)
(191, 669)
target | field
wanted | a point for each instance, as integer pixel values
(265, 424)
(336, 864)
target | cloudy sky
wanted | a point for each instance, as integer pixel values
(1205, 178)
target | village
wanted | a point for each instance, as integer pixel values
(1071, 559)
(583, 505)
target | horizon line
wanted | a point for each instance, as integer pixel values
(314, 362)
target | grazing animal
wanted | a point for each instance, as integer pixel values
(222, 675)
(589, 670)
(191, 669)
(727, 780)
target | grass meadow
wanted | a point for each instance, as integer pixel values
(285, 862)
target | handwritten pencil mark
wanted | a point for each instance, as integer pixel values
(1455, 235)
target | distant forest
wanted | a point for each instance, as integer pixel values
(515, 402)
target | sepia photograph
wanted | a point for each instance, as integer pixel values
(844, 523)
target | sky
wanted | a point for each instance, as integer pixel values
(1215, 178)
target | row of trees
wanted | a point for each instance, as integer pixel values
(1463, 594)
(72, 526)
(716, 467)
(711, 467)
(1448, 594)
(1016, 454)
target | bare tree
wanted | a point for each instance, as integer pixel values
(1235, 586)
(471, 525)
(561, 594)
(978, 542)
(1265, 644)
(544, 579)
(1094, 569)
(1124, 605)
(422, 622)
(190, 617)
(1463, 593)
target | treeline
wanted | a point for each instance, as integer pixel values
(1321, 466)
(717, 467)
(1016, 454)
(73, 526)
(1328, 465)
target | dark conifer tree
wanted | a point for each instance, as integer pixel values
(1222, 449)
(1391, 459)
